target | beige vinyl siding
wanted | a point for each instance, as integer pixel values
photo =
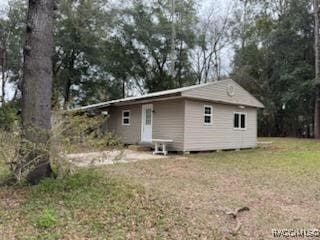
(182, 120)
(129, 134)
(168, 122)
(218, 92)
(221, 134)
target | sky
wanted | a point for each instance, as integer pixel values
(223, 3)
(3, 3)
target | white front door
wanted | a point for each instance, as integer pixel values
(147, 119)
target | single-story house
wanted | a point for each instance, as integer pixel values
(214, 116)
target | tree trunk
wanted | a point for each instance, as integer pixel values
(34, 161)
(173, 38)
(3, 61)
(244, 24)
(317, 71)
(67, 94)
(67, 91)
(123, 88)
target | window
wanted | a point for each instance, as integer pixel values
(126, 118)
(240, 121)
(208, 114)
(148, 117)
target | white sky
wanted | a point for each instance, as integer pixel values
(3, 3)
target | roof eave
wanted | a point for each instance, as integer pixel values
(121, 102)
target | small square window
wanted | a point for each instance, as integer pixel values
(126, 121)
(207, 119)
(208, 115)
(126, 118)
(207, 110)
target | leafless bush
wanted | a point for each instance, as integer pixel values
(77, 132)
(9, 143)
(74, 132)
(71, 132)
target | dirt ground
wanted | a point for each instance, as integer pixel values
(279, 183)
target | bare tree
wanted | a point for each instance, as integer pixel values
(36, 94)
(173, 36)
(213, 29)
(3, 63)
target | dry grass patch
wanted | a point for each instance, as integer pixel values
(176, 198)
(90, 205)
(279, 183)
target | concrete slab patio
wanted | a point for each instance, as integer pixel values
(111, 157)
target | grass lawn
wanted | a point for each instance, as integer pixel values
(176, 198)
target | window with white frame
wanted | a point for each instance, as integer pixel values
(126, 117)
(208, 115)
(240, 121)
